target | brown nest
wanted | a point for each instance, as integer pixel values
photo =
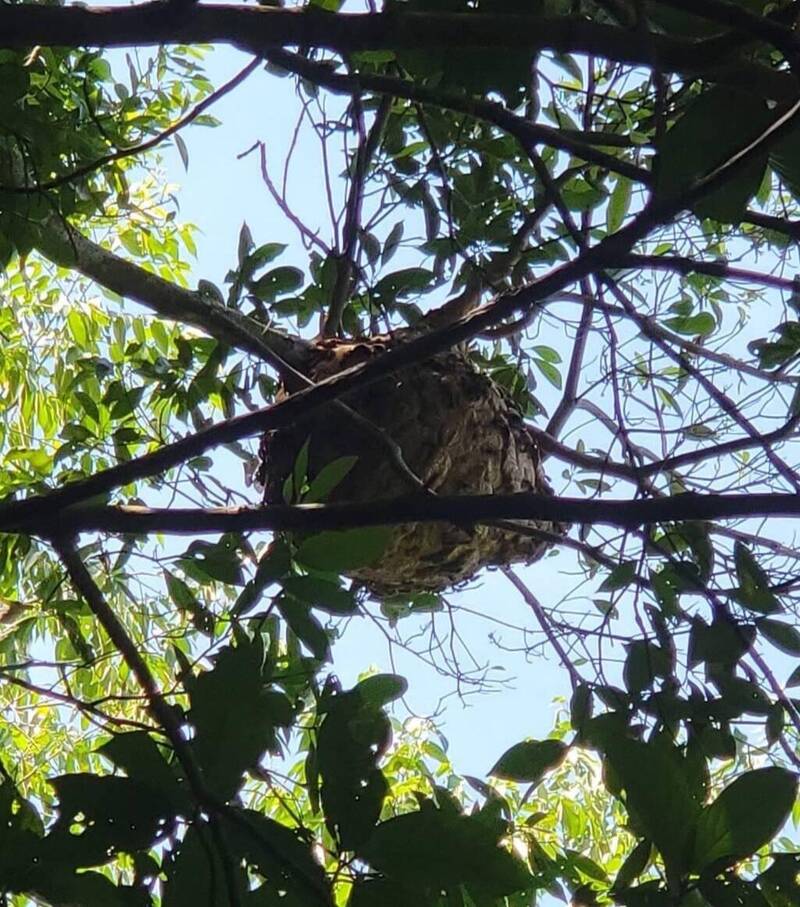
(459, 433)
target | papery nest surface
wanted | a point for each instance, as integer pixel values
(458, 431)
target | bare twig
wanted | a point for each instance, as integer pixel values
(541, 616)
(346, 264)
(280, 200)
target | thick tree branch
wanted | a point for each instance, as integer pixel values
(771, 222)
(261, 28)
(63, 244)
(750, 25)
(417, 350)
(416, 508)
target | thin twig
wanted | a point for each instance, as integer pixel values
(533, 603)
(346, 260)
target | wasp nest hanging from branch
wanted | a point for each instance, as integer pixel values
(458, 432)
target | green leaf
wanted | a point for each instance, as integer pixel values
(547, 353)
(701, 324)
(276, 851)
(305, 627)
(142, 760)
(580, 706)
(328, 478)
(274, 564)
(277, 282)
(401, 283)
(352, 738)
(723, 642)
(785, 160)
(549, 371)
(261, 256)
(634, 865)
(785, 637)
(235, 715)
(438, 852)
(300, 469)
(744, 817)
(321, 593)
(621, 576)
(392, 241)
(619, 203)
(221, 562)
(775, 723)
(753, 592)
(644, 662)
(245, 243)
(114, 814)
(183, 151)
(381, 689)
(658, 796)
(197, 874)
(780, 882)
(714, 126)
(730, 891)
(529, 760)
(186, 600)
(740, 695)
(345, 550)
(794, 678)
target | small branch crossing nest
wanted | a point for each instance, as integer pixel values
(459, 433)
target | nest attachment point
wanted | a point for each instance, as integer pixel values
(458, 431)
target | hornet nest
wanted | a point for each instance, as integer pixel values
(458, 431)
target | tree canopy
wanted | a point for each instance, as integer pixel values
(543, 318)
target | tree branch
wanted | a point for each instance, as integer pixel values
(161, 711)
(684, 265)
(45, 521)
(262, 28)
(346, 260)
(168, 720)
(525, 132)
(750, 25)
(64, 245)
(535, 605)
(592, 259)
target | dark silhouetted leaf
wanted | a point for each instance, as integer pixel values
(344, 550)
(744, 817)
(529, 760)
(714, 126)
